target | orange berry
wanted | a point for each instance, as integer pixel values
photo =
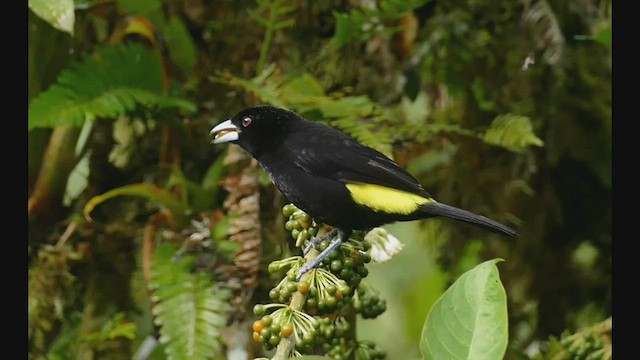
(258, 325)
(286, 330)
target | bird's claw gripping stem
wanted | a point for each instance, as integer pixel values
(316, 240)
(315, 262)
(342, 236)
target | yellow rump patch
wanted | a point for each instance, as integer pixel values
(388, 200)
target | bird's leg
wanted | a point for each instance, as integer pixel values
(317, 240)
(342, 236)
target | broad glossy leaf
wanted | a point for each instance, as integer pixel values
(469, 321)
(58, 13)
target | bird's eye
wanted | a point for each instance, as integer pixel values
(246, 121)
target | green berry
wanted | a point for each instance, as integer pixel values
(288, 210)
(267, 320)
(336, 265)
(291, 287)
(362, 271)
(323, 245)
(331, 289)
(275, 328)
(274, 294)
(259, 310)
(348, 262)
(274, 339)
(311, 302)
(330, 301)
(344, 288)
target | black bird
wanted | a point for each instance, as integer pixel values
(333, 178)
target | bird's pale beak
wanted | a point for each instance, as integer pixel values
(224, 132)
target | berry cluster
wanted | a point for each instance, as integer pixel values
(284, 322)
(348, 261)
(584, 345)
(300, 224)
(310, 310)
(368, 302)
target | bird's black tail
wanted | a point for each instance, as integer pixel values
(436, 208)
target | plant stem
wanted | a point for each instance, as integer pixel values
(58, 161)
(266, 42)
(287, 344)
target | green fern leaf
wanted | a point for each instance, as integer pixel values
(190, 313)
(267, 92)
(513, 132)
(359, 117)
(110, 83)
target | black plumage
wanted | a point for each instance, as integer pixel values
(332, 177)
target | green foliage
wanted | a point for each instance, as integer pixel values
(111, 82)
(58, 13)
(469, 321)
(360, 25)
(182, 49)
(276, 9)
(513, 132)
(151, 192)
(465, 66)
(114, 328)
(358, 116)
(50, 285)
(78, 180)
(188, 306)
(139, 7)
(590, 343)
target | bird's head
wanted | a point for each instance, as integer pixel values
(255, 129)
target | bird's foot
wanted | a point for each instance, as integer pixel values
(315, 262)
(317, 240)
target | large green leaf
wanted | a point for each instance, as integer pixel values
(58, 13)
(469, 321)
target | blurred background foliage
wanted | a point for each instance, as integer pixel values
(502, 108)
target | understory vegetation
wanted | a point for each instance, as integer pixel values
(146, 241)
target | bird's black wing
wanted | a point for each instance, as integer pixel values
(327, 152)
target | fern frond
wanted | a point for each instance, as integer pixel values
(359, 117)
(513, 132)
(189, 309)
(266, 91)
(110, 83)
